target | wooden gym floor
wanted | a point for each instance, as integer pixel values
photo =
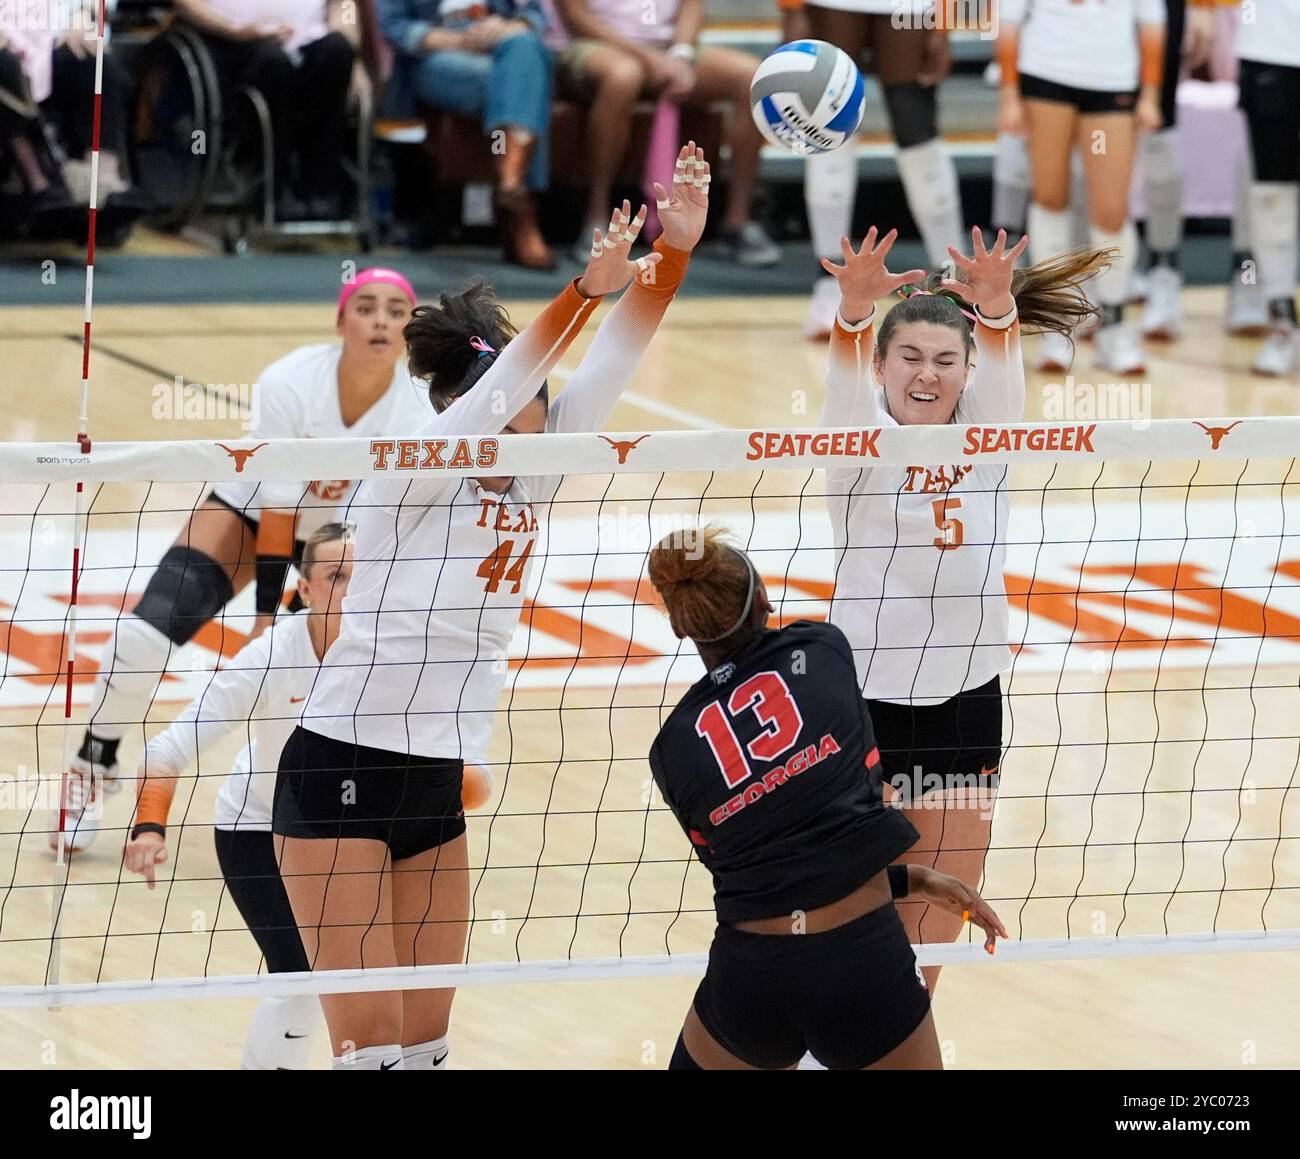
(716, 362)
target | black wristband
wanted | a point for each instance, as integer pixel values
(271, 573)
(148, 827)
(897, 880)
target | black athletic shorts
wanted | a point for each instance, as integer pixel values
(849, 995)
(331, 789)
(247, 860)
(1270, 98)
(1175, 23)
(926, 747)
(1089, 101)
(249, 521)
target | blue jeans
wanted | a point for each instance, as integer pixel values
(511, 85)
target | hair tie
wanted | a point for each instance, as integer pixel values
(908, 291)
(482, 347)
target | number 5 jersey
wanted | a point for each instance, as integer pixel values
(920, 549)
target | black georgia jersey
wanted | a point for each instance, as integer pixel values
(770, 765)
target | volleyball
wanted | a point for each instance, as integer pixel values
(807, 96)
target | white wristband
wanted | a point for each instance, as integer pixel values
(684, 52)
(856, 327)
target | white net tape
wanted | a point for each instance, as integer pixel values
(1152, 720)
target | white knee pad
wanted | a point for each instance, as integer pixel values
(1112, 286)
(281, 1032)
(1274, 221)
(1011, 182)
(934, 197)
(129, 674)
(830, 187)
(1163, 171)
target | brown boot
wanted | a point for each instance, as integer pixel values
(520, 236)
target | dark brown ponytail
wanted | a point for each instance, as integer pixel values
(438, 348)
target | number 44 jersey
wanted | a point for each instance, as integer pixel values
(770, 765)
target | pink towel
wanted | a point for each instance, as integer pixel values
(660, 159)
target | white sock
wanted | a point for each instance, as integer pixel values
(933, 196)
(830, 186)
(1163, 170)
(431, 1055)
(1011, 183)
(371, 1058)
(134, 662)
(280, 1034)
(1049, 232)
(1274, 221)
(1112, 286)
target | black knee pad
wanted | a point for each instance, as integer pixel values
(681, 1059)
(185, 592)
(913, 113)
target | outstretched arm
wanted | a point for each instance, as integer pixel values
(996, 392)
(229, 700)
(623, 337)
(864, 280)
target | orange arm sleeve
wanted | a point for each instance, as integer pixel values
(155, 800)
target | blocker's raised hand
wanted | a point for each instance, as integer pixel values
(863, 278)
(683, 212)
(987, 273)
(609, 268)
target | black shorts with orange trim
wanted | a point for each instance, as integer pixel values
(927, 747)
(1087, 101)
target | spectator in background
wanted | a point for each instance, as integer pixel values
(614, 52)
(285, 49)
(486, 59)
(49, 69)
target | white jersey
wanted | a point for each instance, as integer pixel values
(920, 549)
(1272, 34)
(442, 566)
(261, 693)
(298, 398)
(880, 7)
(1086, 44)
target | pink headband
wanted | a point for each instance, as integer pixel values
(375, 275)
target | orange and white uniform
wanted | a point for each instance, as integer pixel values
(920, 549)
(442, 565)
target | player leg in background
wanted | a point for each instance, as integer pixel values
(1247, 307)
(911, 62)
(830, 183)
(431, 927)
(1162, 169)
(1049, 132)
(281, 1030)
(955, 826)
(1270, 98)
(724, 74)
(1108, 142)
(1011, 186)
(342, 898)
(213, 558)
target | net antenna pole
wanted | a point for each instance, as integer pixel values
(61, 864)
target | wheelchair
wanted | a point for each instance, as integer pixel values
(201, 151)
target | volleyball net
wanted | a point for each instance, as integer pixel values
(1148, 802)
